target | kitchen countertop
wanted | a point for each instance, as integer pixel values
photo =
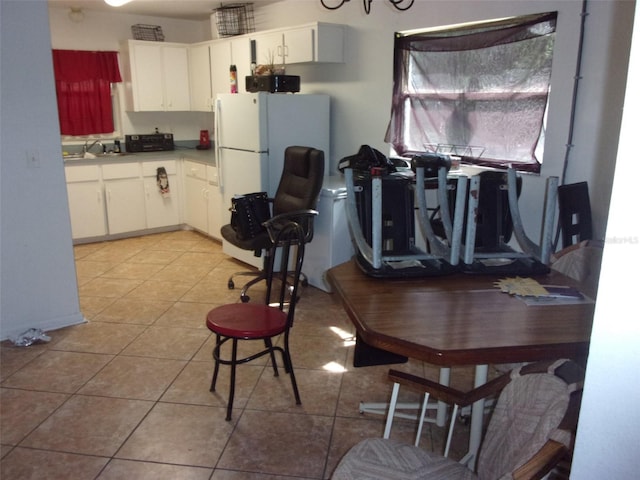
(192, 154)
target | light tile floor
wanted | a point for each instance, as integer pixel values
(126, 395)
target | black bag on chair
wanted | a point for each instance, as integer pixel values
(248, 212)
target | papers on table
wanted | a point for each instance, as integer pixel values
(533, 293)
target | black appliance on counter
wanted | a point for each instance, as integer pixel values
(272, 83)
(151, 142)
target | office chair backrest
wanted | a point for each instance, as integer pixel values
(301, 180)
(574, 212)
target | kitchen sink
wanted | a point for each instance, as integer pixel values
(89, 155)
(72, 156)
(112, 154)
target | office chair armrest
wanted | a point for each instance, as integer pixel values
(542, 462)
(448, 394)
(302, 217)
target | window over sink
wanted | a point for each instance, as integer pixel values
(87, 89)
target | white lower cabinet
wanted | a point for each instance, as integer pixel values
(162, 207)
(217, 214)
(125, 198)
(86, 201)
(121, 198)
(195, 196)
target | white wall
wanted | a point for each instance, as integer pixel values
(608, 434)
(38, 278)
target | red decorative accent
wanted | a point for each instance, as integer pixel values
(83, 87)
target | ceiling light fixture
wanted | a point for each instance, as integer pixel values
(401, 5)
(116, 3)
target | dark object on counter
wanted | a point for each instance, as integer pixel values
(116, 146)
(431, 163)
(272, 83)
(152, 142)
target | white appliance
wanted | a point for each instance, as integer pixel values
(331, 244)
(252, 131)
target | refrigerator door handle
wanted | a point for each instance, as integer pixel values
(217, 117)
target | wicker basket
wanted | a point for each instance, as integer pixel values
(147, 32)
(235, 19)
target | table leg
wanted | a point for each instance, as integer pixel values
(477, 416)
(441, 412)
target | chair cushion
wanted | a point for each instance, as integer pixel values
(247, 320)
(258, 243)
(382, 459)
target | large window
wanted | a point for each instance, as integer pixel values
(478, 91)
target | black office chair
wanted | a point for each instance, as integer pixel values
(574, 213)
(296, 196)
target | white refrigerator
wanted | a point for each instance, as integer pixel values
(252, 131)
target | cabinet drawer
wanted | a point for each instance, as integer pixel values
(150, 169)
(196, 170)
(113, 171)
(82, 173)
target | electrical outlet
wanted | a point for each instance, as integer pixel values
(33, 159)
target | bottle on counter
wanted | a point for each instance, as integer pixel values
(116, 146)
(233, 78)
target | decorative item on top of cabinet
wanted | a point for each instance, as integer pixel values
(156, 76)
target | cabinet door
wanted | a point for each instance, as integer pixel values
(321, 42)
(195, 196)
(299, 46)
(241, 58)
(200, 78)
(86, 208)
(162, 208)
(269, 48)
(220, 52)
(216, 214)
(176, 78)
(124, 195)
(147, 77)
(125, 205)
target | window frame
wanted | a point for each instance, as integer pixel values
(408, 122)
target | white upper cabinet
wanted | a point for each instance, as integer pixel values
(312, 43)
(209, 69)
(200, 77)
(156, 76)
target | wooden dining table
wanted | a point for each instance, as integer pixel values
(464, 319)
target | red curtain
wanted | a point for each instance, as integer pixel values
(83, 87)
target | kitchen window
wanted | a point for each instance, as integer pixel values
(478, 91)
(86, 91)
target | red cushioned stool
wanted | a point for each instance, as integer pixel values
(263, 321)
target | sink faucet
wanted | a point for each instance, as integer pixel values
(86, 148)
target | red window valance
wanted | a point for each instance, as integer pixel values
(83, 87)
